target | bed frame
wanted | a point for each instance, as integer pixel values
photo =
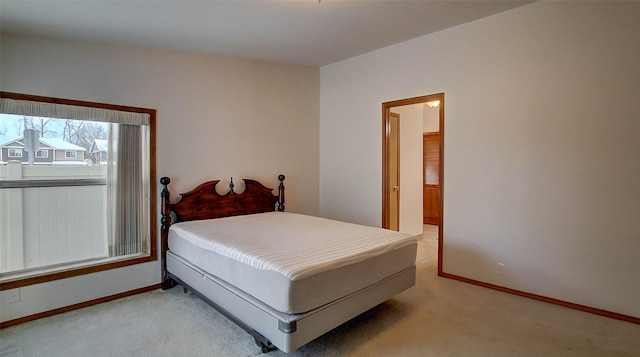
(270, 328)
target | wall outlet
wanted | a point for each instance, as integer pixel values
(501, 268)
(13, 295)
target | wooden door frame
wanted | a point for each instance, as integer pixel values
(386, 108)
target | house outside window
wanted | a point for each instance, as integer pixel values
(42, 154)
(15, 152)
(70, 154)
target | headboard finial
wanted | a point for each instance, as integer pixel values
(231, 186)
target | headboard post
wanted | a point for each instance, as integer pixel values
(165, 207)
(281, 193)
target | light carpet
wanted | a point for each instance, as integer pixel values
(437, 317)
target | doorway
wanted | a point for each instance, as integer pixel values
(392, 202)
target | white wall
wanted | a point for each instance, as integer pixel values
(541, 145)
(217, 117)
(431, 119)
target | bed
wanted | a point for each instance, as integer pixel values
(285, 278)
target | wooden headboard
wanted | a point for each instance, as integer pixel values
(204, 202)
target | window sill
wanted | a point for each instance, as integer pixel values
(12, 280)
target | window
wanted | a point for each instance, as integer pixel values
(15, 152)
(105, 219)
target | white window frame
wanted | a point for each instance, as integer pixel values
(42, 154)
(13, 153)
(70, 154)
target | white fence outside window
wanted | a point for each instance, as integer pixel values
(53, 224)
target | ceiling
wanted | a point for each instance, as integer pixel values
(308, 32)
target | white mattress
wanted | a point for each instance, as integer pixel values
(291, 262)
